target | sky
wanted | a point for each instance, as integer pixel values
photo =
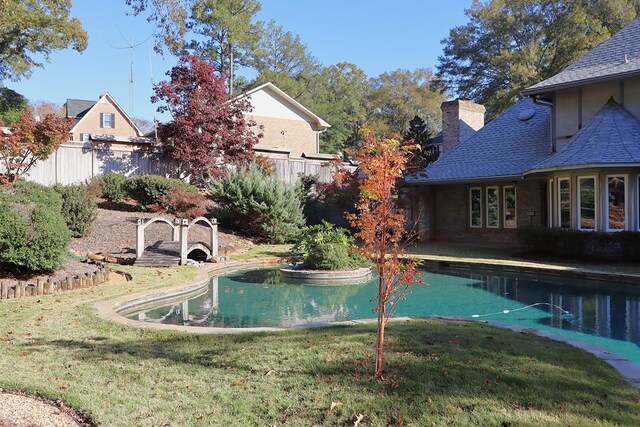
(376, 35)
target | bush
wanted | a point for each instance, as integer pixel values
(33, 233)
(79, 208)
(183, 202)
(325, 247)
(113, 187)
(148, 189)
(623, 246)
(252, 202)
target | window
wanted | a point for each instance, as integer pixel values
(493, 208)
(509, 208)
(616, 202)
(107, 120)
(84, 137)
(587, 202)
(475, 207)
(564, 203)
(550, 202)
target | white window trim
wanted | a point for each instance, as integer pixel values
(103, 121)
(559, 202)
(471, 207)
(504, 206)
(595, 202)
(486, 208)
(550, 219)
(626, 201)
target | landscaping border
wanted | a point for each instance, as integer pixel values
(328, 277)
(24, 289)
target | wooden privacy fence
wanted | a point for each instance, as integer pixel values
(78, 162)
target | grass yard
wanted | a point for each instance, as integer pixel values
(439, 373)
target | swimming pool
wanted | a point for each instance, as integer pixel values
(601, 313)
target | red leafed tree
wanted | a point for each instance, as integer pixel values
(28, 141)
(208, 129)
(381, 226)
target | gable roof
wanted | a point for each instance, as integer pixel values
(79, 103)
(502, 149)
(616, 57)
(77, 108)
(611, 138)
(305, 111)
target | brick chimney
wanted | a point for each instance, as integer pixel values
(460, 119)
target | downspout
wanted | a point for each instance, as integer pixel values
(318, 139)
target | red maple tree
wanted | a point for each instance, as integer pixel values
(28, 141)
(381, 226)
(208, 130)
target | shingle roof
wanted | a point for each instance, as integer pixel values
(504, 148)
(612, 137)
(77, 108)
(615, 57)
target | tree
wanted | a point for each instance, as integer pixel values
(28, 141)
(339, 98)
(382, 227)
(11, 105)
(396, 97)
(32, 29)
(509, 45)
(419, 135)
(228, 31)
(171, 19)
(208, 129)
(42, 108)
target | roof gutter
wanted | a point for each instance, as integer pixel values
(543, 89)
(467, 180)
(583, 166)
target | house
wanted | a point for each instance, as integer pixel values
(566, 156)
(102, 121)
(288, 128)
(103, 139)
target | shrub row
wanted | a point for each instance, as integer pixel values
(149, 191)
(623, 246)
(79, 208)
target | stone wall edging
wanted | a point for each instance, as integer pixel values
(24, 289)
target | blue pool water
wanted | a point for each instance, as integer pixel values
(602, 313)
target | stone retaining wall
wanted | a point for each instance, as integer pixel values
(47, 287)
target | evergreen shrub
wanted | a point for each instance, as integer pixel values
(252, 202)
(621, 246)
(79, 208)
(33, 233)
(113, 186)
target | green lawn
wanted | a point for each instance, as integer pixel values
(439, 373)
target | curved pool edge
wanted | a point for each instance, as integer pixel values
(109, 310)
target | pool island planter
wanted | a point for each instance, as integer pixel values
(354, 276)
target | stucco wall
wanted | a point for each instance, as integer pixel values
(298, 135)
(90, 123)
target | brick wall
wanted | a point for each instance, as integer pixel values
(460, 120)
(298, 135)
(450, 212)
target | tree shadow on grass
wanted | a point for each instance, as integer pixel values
(431, 367)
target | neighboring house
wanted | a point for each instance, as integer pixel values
(288, 128)
(565, 156)
(103, 139)
(102, 120)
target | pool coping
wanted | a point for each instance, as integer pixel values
(522, 267)
(110, 310)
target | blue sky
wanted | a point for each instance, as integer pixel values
(376, 35)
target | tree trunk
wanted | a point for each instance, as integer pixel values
(380, 345)
(230, 70)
